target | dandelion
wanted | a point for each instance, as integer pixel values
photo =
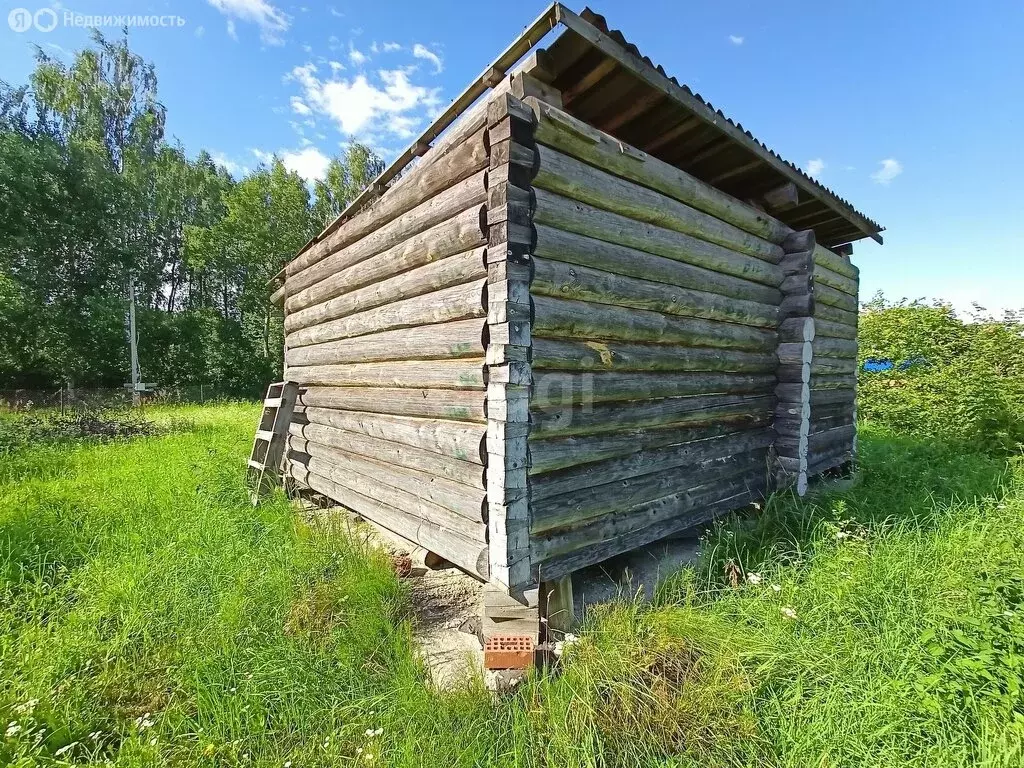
(789, 613)
(287, 764)
(776, 588)
(754, 578)
(359, 750)
(368, 757)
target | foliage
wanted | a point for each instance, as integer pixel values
(965, 380)
(95, 197)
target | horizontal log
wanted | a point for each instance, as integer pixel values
(460, 230)
(695, 410)
(612, 535)
(465, 442)
(436, 499)
(576, 509)
(623, 356)
(562, 388)
(559, 453)
(819, 366)
(825, 276)
(826, 463)
(834, 262)
(407, 457)
(460, 302)
(793, 393)
(574, 216)
(573, 248)
(421, 374)
(829, 329)
(438, 171)
(827, 347)
(842, 435)
(795, 329)
(792, 426)
(658, 460)
(567, 176)
(459, 339)
(563, 318)
(558, 129)
(570, 281)
(459, 269)
(468, 554)
(832, 314)
(823, 294)
(452, 404)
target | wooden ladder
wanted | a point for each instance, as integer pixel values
(265, 463)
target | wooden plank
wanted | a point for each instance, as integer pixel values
(461, 268)
(449, 404)
(468, 554)
(829, 329)
(594, 418)
(437, 499)
(418, 374)
(658, 460)
(443, 341)
(824, 294)
(561, 130)
(563, 318)
(562, 388)
(460, 302)
(567, 176)
(830, 347)
(405, 456)
(832, 314)
(452, 232)
(461, 441)
(569, 247)
(558, 453)
(573, 216)
(588, 504)
(571, 355)
(825, 276)
(569, 281)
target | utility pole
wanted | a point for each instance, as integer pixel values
(133, 343)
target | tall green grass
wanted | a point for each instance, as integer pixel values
(149, 615)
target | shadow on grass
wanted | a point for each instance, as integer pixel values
(900, 479)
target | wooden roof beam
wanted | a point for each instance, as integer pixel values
(652, 76)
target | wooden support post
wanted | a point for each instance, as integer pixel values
(558, 616)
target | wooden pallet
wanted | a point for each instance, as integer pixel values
(265, 462)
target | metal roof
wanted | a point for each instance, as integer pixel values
(606, 82)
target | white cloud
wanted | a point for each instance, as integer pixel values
(356, 56)
(336, 13)
(299, 106)
(736, 39)
(233, 167)
(200, 31)
(422, 52)
(889, 170)
(389, 104)
(272, 21)
(309, 162)
(391, 47)
(232, 32)
(307, 48)
(336, 66)
(815, 166)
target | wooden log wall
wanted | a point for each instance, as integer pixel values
(657, 303)
(386, 331)
(833, 422)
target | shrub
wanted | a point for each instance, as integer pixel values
(950, 380)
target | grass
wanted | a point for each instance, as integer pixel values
(150, 616)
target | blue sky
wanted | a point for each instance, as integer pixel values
(911, 110)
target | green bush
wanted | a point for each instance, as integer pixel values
(965, 383)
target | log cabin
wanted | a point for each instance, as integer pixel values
(583, 312)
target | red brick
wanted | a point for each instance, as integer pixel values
(508, 652)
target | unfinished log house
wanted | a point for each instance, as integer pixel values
(583, 312)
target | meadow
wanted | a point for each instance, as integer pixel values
(152, 616)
